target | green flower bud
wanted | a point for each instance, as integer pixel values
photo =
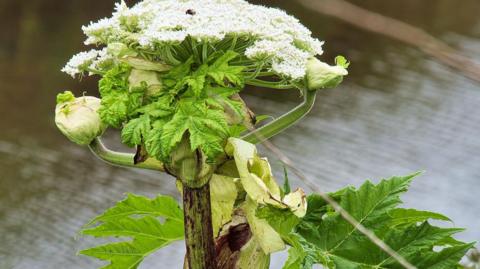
(65, 97)
(151, 78)
(321, 75)
(77, 118)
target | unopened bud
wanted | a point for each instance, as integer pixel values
(151, 78)
(321, 75)
(77, 118)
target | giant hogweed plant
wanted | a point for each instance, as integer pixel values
(170, 77)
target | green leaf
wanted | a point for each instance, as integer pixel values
(324, 237)
(401, 216)
(220, 70)
(177, 73)
(342, 61)
(125, 255)
(236, 130)
(135, 217)
(222, 98)
(176, 79)
(196, 82)
(282, 220)
(413, 239)
(304, 255)
(115, 79)
(134, 205)
(65, 97)
(114, 109)
(445, 259)
(160, 108)
(118, 102)
(317, 207)
(207, 128)
(136, 131)
(368, 205)
(286, 184)
(147, 227)
(153, 141)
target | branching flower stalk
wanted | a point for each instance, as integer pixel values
(171, 73)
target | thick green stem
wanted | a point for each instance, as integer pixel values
(285, 121)
(122, 159)
(191, 169)
(198, 227)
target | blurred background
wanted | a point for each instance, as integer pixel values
(399, 111)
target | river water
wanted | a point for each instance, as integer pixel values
(398, 112)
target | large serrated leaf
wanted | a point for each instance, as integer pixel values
(207, 127)
(324, 237)
(151, 223)
(402, 216)
(134, 205)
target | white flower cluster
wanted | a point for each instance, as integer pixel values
(86, 61)
(80, 61)
(278, 38)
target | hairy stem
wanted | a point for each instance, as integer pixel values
(282, 123)
(198, 227)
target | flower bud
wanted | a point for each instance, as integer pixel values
(151, 78)
(77, 118)
(321, 75)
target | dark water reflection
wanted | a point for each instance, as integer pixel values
(398, 112)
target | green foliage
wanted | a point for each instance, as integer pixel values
(207, 128)
(118, 101)
(324, 237)
(65, 97)
(342, 61)
(221, 71)
(194, 99)
(402, 216)
(220, 98)
(135, 217)
(286, 184)
(135, 130)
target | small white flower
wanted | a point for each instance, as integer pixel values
(78, 63)
(104, 58)
(87, 61)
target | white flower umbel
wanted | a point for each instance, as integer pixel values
(274, 37)
(87, 61)
(80, 61)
